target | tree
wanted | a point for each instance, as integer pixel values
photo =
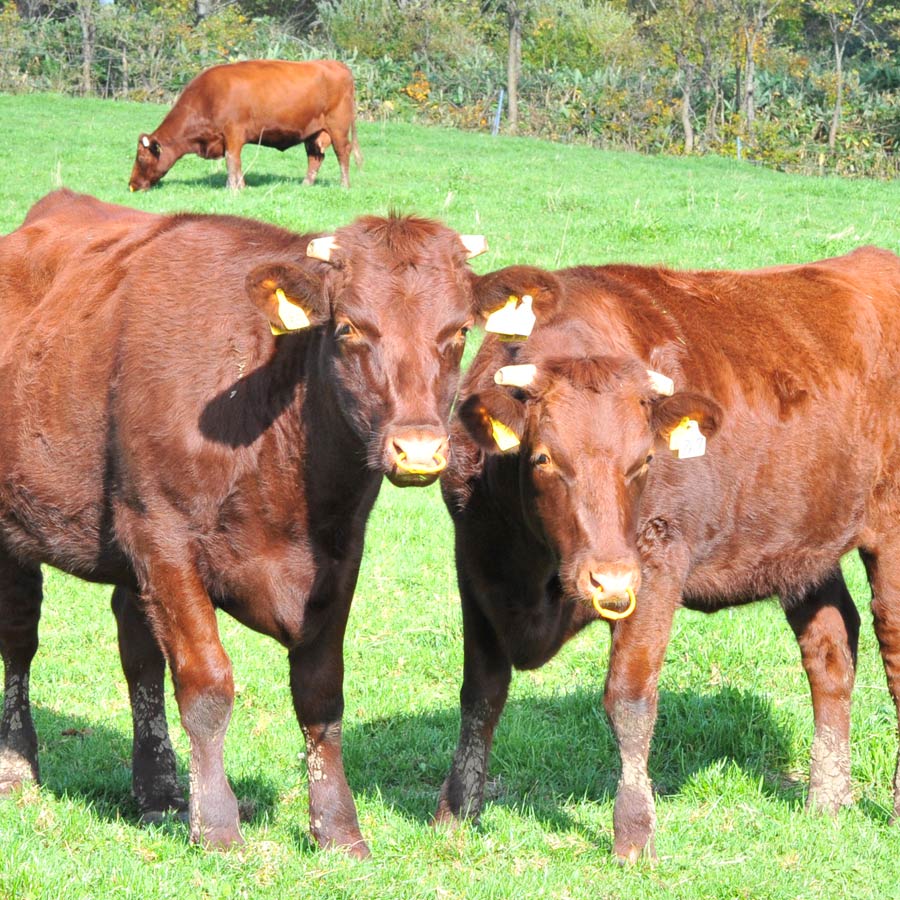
(846, 19)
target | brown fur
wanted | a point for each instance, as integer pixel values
(268, 102)
(158, 437)
(794, 374)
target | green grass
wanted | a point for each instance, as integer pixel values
(730, 755)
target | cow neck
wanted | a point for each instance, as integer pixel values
(170, 135)
(336, 456)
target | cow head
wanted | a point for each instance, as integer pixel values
(396, 304)
(586, 431)
(150, 164)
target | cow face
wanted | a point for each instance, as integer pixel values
(587, 430)
(400, 304)
(149, 164)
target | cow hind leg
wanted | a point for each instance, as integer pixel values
(20, 610)
(315, 155)
(883, 568)
(342, 151)
(154, 779)
(233, 147)
(826, 624)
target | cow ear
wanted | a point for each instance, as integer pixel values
(513, 299)
(150, 144)
(495, 419)
(684, 421)
(290, 297)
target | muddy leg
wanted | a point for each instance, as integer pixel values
(636, 656)
(184, 622)
(486, 676)
(826, 624)
(153, 776)
(317, 676)
(20, 610)
(883, 567)
(233, 147)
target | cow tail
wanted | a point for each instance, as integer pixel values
(354, 145)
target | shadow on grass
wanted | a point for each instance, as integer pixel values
(547, 751)
(82, 759)
(219, 180)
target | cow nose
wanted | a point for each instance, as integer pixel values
(419, 454)
(612, 588)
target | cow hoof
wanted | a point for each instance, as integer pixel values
(629, 854)
(16, 771)
(223, 837)
(357, 850)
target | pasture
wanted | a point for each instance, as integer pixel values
(730, 754)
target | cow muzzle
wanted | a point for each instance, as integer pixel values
(416, 459)
(612, 589)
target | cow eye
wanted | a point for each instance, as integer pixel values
(464, 331)
(344, 330)
(640, 470)
(540, 460)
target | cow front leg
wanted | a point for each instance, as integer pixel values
(486, 677)
(315, 154)
(153, 776)
(342, 151)
(184, 622)
(20, 610)
(636, 657)
(317, 676)
(883, 568)
(826, 624)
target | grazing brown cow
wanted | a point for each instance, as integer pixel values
(159, 436)
(792, 373)
(268, 102)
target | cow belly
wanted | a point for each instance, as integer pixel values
(277, 139)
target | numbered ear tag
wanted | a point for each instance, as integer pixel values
(504, 437)
(514, 321)
(292, 316)
(687, 440)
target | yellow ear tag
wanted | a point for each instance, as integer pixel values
(292, 316)
(504, 437)
(687, 440)
(514, 321)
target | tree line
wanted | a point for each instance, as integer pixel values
(811, 86)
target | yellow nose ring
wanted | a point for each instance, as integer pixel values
(613, 614)
(439, 465)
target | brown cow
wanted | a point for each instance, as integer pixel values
(794, 374)
(268, 102)
(159, 436)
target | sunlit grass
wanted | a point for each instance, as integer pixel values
(730, 756)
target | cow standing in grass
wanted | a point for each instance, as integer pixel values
(606, 494)
(268, 102)
(199, 412)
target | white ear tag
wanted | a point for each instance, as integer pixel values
(145, 141)
(292, 316)
(514, 321)
(687, 440)
(516, 376)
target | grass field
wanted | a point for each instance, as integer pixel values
(730, 754)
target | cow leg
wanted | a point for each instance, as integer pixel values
(233, 147)
(184, 622)
(486, 676)
(315, 154)
(826, 624)
(342, 151)
(20, 610)
(635, 660)
(883, 568)
(153, 776)
(317, 676)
